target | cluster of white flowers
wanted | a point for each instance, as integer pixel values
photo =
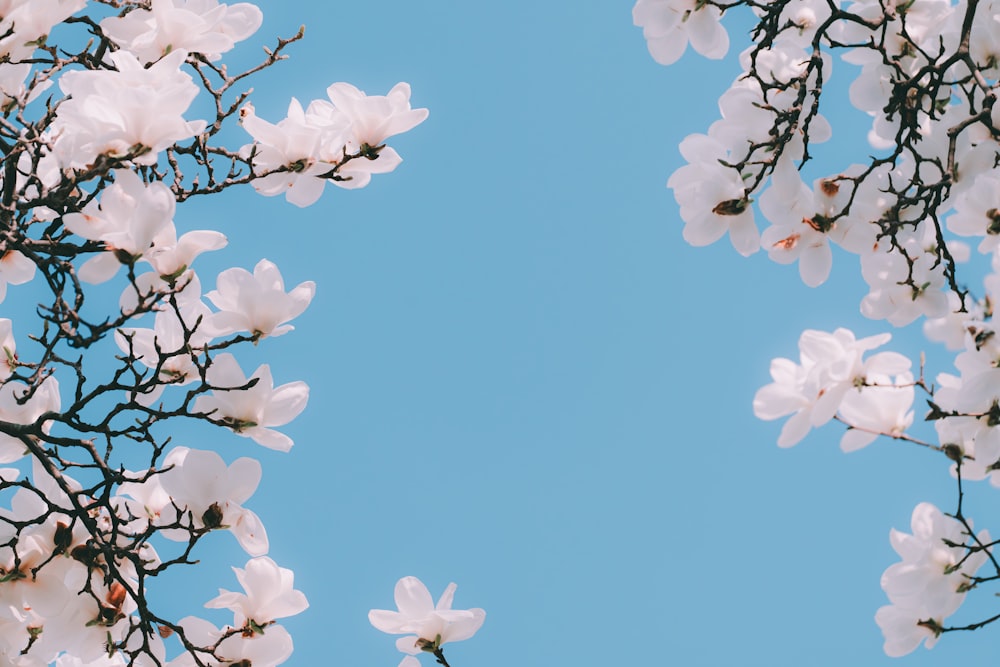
(931, 581)
(872, 396)
(305, 150)
(98, 167)
(927, 72)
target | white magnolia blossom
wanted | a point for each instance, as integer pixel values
(426, 624)
(812, 391)
(195, 26)
(8, 349)
(131, 112)
(16, 410)
(293, 156)
(930, 582)
(251, 411)
(127, 219)
(15, 269)
(305, 150)
(669, 25)
(257, 303)
(269, 594)
(211, 495)
(259, 649)
(712, 197)
(880, 407)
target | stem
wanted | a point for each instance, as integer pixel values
(439, 654)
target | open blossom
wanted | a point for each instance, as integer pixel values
(44, 399)
(127, 218)
(132, 112)
(930, 582)
(292, 156)
(882, 406)
(257, 302)
(668, 26)
(371, 119)
(250, 412)
(712, 197)
(195, 26)
(259, 649)
(15, 269)
(428, 625)
(306, 149)
(202, 485)
(812, 391)
(269, 594)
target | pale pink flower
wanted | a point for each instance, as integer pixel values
(251, 412)
(195, 26)
(15, 269)
(269, 594)
(425, 623)
(201, 485)
(257, 303)
(668, 26)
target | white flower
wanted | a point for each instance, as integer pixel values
(252, 411)
(881, 406)
(200, 483)
(300, 146)
(812, 391)
(712, 197)
(127, 219)
(195, 26)
(45, 399)
(269, 594)
(132, 112)
(15, 269)
(930, 582)
(367, 120)
(428, 625)
(668, 25)
(257, 303)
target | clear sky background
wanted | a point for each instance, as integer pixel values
(524, 381)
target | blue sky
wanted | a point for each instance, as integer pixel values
(525, 382)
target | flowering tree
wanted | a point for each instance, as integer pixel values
(99, 150)
(927, 75)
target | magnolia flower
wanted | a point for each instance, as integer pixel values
(712, 197)
(200, 483)
(257, 302)
(12, 409)
(374, 118)
(813, 390)
(931, 581)
(15, 269)
(882, 406)
(428, 625)
(269, 594)
(367, 121)
(132, 112)
(292, 156)
(259, 649)
(668, 25)
(250, 412)
(195, 26)
(127, 219)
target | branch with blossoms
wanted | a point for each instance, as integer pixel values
(99, 154)
(926, 73)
